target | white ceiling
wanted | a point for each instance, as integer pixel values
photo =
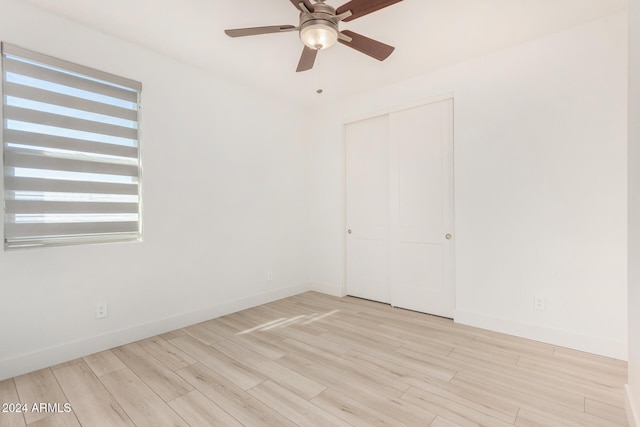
(427, 34)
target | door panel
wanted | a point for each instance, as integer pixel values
(367, 192)
(420, 140)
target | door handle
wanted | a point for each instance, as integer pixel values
(448, 236)
(349, 231)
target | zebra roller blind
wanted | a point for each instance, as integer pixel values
(71, 152)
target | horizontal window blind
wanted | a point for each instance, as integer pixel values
(71, 152)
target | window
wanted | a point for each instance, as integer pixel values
(71, 152)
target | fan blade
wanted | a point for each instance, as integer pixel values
(307, 4)
(360, 8)
(254, 31)
(307, 59)
(373, 48)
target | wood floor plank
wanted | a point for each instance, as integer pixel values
(240, 323)
(143, 406)
(591, 385)
(203, 332)
(303, 317)
(78, 361)
(219, 329)
(278, 320)
(9, 395)
(426, 330)
(39, 387)
(319, 341)
(350, 411)
(240, 374)
(199, 411)
(161, 379)
(295, 382)
(291, 380)
(289, 309)
(454, 411)
(385, 312)
(104, 362)
(237, 402)
(528, 418)
(328, 378)
(299, 410)
(348, 370)
(58, 420)
(403, 367)
(260, 345)
(363, 337)
(172, 334)
(476, 353)
(471, 397)
(442, 422)
(333, 379)
(554, 378)
(273, 315)
(524, 395)
(325, 303)
(263, 316)
(511, 381)
(239, 352)
(536, 402)
(90, 400)
(614, 414)
(516, 345)
(606, 371)
(257, 329)
(602, 363)
(168, 354)
(566, 368)
(435, 344)
(370, 409)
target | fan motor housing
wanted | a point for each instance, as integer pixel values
(322, 14)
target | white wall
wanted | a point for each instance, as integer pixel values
(540, 182)
(223, 199)
(633, 388)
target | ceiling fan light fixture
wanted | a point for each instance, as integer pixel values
(318, 29)
(319, 35)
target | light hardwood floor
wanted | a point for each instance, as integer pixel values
(316, 360)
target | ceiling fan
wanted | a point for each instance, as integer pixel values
(318, 29)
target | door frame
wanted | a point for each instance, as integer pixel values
(343, 179)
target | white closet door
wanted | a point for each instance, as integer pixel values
(421, 233)
(367, 213)
(399, 208)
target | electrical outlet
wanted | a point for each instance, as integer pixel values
(269, 275)
(540, 303)
(102, 310)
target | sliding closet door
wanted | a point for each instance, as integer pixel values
(399, 208)
(421, 238)
(367, 213)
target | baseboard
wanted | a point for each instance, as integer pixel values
(596, 345)
(327, 289)
(50, 356)
(633, 412)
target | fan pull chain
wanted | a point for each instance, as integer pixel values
(319, 75)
